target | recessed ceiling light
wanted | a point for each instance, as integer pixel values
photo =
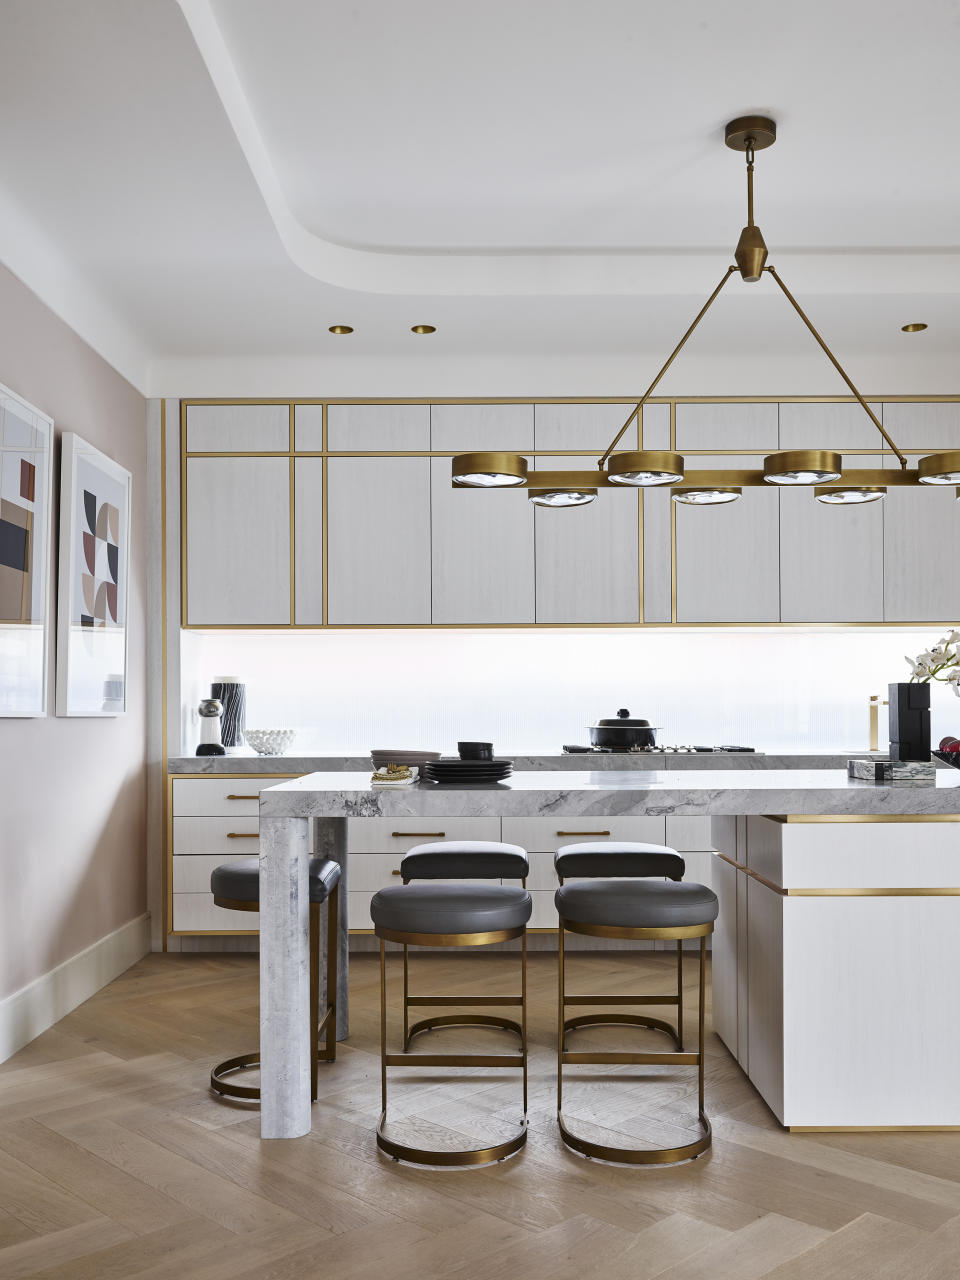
(912, 328)
(423, 328)
(340, 328)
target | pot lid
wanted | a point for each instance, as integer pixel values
(623, 721)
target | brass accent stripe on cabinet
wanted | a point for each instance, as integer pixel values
(933, 892)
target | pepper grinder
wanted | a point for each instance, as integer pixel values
(210, 710)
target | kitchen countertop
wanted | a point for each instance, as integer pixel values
(611, 792)
(594, 761)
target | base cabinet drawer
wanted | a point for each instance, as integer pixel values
(544, 914)
(549, 834)
(192, 875)
(226, 837)
(197, 912)
(685, 834)
(221, 796)
(374, 835)
(358, 910)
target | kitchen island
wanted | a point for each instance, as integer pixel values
(835, 998)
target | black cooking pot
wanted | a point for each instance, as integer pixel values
(623, 733)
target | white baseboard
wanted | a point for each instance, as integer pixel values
(31, 1010)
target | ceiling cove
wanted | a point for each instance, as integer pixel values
(540, 271)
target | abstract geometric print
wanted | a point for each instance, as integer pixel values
(100, 541)
(18, 484)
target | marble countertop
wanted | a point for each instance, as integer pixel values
(595, 761)
(606, 793)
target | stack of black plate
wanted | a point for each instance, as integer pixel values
(452, 769)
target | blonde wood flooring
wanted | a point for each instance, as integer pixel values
(116, 1161)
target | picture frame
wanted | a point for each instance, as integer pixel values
(26, 536)
(95, 505)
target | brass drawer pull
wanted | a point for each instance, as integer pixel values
(396, 873)
(583, 833)
(243, 835)
(403, 834)
(256, 797)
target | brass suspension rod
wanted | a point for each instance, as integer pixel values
(673, 355)
(836, 364)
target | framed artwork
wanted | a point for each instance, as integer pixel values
(26, 504)
(94, 568)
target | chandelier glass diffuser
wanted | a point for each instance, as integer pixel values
(645, 468)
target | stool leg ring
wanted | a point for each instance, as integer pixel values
(245, 1062)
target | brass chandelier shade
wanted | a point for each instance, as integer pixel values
(645, 467)
(641, 468)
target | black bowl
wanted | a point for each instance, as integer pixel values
(948, 757)
(475, 750)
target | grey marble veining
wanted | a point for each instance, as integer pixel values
(607, 793)
(594, 761)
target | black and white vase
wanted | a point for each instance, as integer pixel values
(233, 694)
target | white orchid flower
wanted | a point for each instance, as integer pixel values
(952, 638)
(919, 669)
(953, 680)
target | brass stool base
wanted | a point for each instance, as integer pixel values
(246, 1093)
(619, 1019)
(633, 1155)
(479, 1155)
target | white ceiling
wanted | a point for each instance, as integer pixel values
(201, 189)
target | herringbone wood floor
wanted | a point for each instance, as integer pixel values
(116, 1161)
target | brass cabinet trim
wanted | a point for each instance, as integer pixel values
(911, 892)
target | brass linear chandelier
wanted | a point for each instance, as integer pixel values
(645, 468)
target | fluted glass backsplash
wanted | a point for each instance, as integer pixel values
(534, 690)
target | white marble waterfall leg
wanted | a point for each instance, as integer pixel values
(330, 841)
(285, 1046)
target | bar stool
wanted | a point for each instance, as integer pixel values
(460, 860)
(451, 915)
(236, 886)
(622, 905)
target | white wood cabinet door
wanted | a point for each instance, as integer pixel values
(238, 541)
(482, 553)
(378, 540)
(465, 428)
(308, 541)
(921, 534)
(724, 962)
(831, 558)
(587, 558)
(238, 428)
(583, 426)
(358, 428)
(728, 557)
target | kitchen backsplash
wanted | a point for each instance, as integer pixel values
(532, 691)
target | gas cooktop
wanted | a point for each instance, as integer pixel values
(572, 749)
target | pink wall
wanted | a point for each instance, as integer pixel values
(72, 792)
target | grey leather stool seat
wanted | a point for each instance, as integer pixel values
(618, 899)
(453, 915)
(236, 887)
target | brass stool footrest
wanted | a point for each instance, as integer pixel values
(621, 1019)
(422, 1155)
(633, 1155)
(464, 1020)
(243, 1063)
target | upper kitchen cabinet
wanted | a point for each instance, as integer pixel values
(366, 428)
(587, 558)
(378, 541)
(831, 558)
(482, 546)
(238, 428)
(237, 538)
(922, 524)
(468, 428)
(727, 426)
(583, 426)
(728, 556)
(830, 426)
(308, 542)
(927, 427)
